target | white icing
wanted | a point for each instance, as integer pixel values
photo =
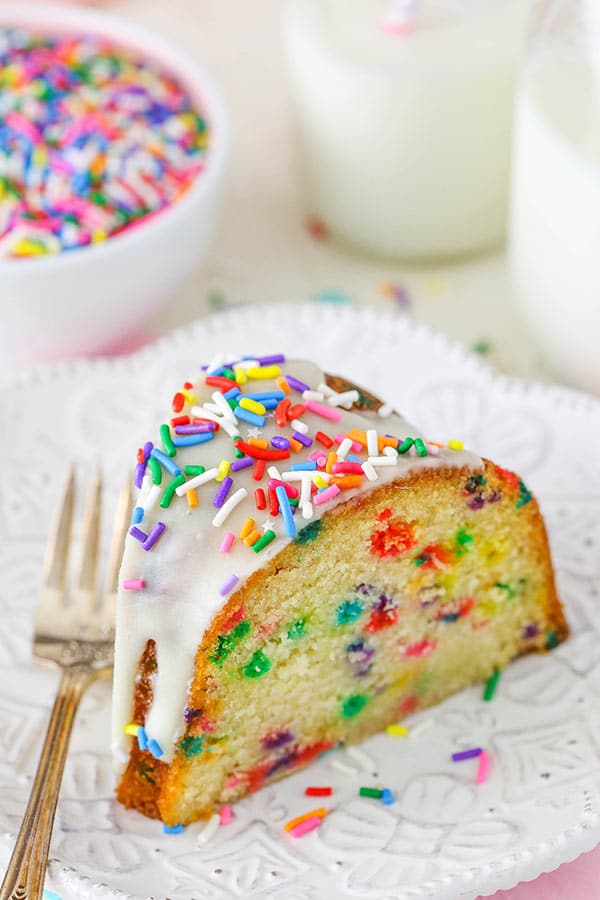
(184, 571)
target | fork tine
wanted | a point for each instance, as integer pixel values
(120, 526)
(54, 577)
(85, 580)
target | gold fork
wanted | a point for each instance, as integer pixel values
(74, 631)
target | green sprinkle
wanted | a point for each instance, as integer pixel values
(258, 665)
(463, 541)
(241, 630)
(552, 640)
(146, 771)
(492, 684)
(226, 643)
(155, 470)
(297, 630)
(309, 532)
(194, 470)
(420, 447)
(482, 347)
(506, 587)
(293, 501)
(239, 453)
(165, 436)
(525, 496)
(262, 542)
(228, 373)
(406, 445)
(191, 746)
(352, 705)
(349, 611)
(169, 491)
(370, 792)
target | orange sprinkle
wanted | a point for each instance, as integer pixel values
(295, 445)
(192, 498)
(321, 812)
(331, 459)
(247, 528)
(282, 384)
(386, 442)
(252, 538)
(258, 442)
(357, 435)
(346, 481)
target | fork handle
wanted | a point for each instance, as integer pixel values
(26, 873)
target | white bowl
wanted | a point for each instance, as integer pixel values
(91, 299)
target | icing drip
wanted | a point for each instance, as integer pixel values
(184, 573)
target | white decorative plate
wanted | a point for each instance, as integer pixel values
(444, 837)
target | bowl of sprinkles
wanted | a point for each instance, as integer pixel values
(113, 146)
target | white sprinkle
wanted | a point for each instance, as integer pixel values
(247, 364)
(390, 451)
(151, 498)
(210, 829)
(313, 395)
(119, 753)
(344, 449)
(273, 472)
(383, 460)
(366, 763)
(372, 447)
(340, 766)
(297, 425)
(229, 505)
(325, 389)
(386, 410)
(204, 412)
(307, 510)
(305, 493)
(345, 399)
(420, 728)
(196, 481)
(223, 406)
(369, 471)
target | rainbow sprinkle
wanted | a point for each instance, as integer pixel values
(93, 142)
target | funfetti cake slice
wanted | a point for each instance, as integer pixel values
(303, 569)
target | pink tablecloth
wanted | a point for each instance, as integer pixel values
(579, 880)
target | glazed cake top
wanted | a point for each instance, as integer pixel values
(254, 451)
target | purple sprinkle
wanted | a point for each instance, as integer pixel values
(221, 494)
(270, 360)
(228, 585)
(467, 754)
(303, 438)
(281, 443)
(148, 448)
(297, 385)
(190, 714)
(138, 534)
(242, 463)
(154, 535)
(277, 739)
(195, 429)
(531, 631)
(140, 471)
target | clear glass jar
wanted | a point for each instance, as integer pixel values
(404, 115)
(555, 218)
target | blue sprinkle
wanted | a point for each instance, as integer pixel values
(232, 393)
(387, 796)
(249, 417)
(172, 829)
(50, 895)
(166, 462)
(190, 440)
(352, 457)
(155, 749)
(266, 395)
(137, 516)
(269, 404)
(308, 466)
(286, 511)
(142, 738)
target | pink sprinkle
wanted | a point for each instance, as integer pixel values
(483, 768)
(305, 826)
(357, 447)
(433, 450)
(326, 412)
(328, 494)
(227, 542)
(133, 584)
(233, 781)
(420, 648)
(226, 814)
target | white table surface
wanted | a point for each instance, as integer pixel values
(261, 251)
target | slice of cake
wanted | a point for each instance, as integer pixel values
(304, 568)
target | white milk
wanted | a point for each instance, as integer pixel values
(405, 141)
(555, 228)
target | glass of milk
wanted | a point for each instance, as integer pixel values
(555, 220)
(404, 112)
